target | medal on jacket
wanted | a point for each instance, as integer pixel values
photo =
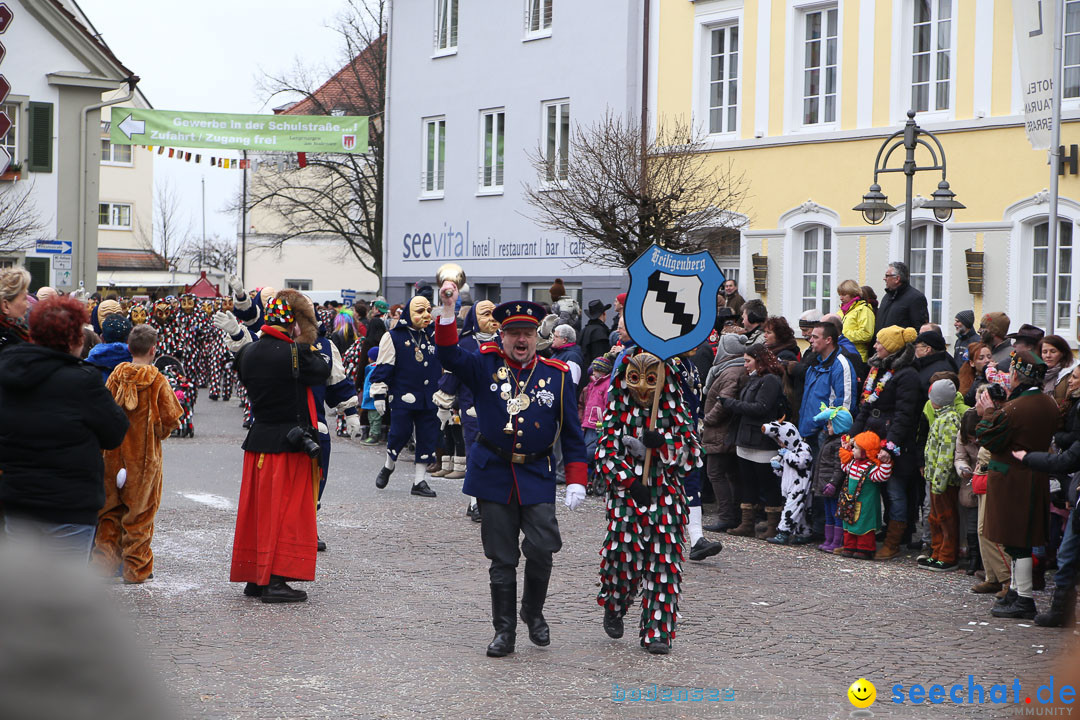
(418, 355)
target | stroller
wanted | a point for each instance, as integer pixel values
(186, 392)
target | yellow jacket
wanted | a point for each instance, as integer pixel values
(859, 326)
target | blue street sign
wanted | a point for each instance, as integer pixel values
(348, 296)
(56, 247)
(671, 303)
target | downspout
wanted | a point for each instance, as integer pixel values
(131, 81)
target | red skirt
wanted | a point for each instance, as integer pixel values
(275, 518)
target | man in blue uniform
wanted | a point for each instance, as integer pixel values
(405, 379)
(524, 405)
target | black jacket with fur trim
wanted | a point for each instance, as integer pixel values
(895, 414)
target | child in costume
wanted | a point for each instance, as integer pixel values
(828, 476)
(940, 471)
(374, 416)
(646, 522)
(133, 471)
(793, 467)
(859, 505)
(591, 409)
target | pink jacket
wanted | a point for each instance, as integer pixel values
(593, 403)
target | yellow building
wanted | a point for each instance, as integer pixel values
(800, 94)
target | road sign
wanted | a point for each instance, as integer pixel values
(348, 296)
(61, 262)
(5, 17)
(281, 133)
(56, 247)
(3, 52)
(5, 123)
(61, 278)
(5, 86)
(5, 160)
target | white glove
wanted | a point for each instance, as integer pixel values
(443, 400)
(575, 495)
(226, 322)
(352, 425)
(635, 446)
(444, 415)
(237, 287)
(380, 406)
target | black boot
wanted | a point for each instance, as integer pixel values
(658, 647)
(253, 590)
(421, 489)
(974, 563)
(613, 624)
(1007, 599)
(1062, 609)
(278, 592)
(383, 478)
(503, 617)
(1022, 608)
(532, 609)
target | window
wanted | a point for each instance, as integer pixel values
(114, 216)
(433, 182)
(723, 78)
(817, 269)
(446, 25)
(725, 245)
(1071, 51)
(1040, 274)
(493, 128)
(301, 285)
(819, 66)
(10, 141)
(556, 140)
(931, 70)
(115, 154)
(928, 266)
(541, 292)
(538, 18)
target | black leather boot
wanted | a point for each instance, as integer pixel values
(974, 562)
(613, 623)
(1062, 609)
(278, 592)
(383, 478)
(252, 590)
(532, 609)
(504, 618)
(1022, 608)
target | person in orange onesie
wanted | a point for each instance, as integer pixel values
(133, 471)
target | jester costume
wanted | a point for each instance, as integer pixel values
(646, 523)
(220, 375)
(192, 327)
(186, 395)
(351, 361)
(169, 336)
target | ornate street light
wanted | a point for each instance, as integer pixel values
(874, 205)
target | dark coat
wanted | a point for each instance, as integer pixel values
(827, 467)
(735, 302)
(960, 347)
(905, 307)
(895, 414)
(786, 352)
(593, 342)
(933, 363)
(55, 419)
(758, 403)
(278, 402)
(716, 436)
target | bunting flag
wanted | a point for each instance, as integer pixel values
(280, 161)
(301, 159)
(172, 151)
(160, 150)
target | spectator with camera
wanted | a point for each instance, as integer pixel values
(281, 452)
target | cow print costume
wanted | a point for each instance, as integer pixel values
(794, 461)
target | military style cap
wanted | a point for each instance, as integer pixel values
(519, 313)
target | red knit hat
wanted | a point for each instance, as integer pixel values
(870, 443)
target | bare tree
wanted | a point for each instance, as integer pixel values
(21, 224)
(170, 229)
(336, 195)
(597, 191)
(216, 253)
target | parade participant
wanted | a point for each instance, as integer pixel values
(646, 517)
(792, 465)
(186, 393)
(220, 375)
(191, 325)
(524, 405)
(690, 385)
(163, 320)
(138, 314)
(405, 379)
(275, 539)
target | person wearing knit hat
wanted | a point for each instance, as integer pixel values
(964, 323)
(993, 327)
(557, 290)
(890, 402)
(931, 357)
(940, 472)
(933, 341)
(828, 476)
(859, 503)
(113, 348)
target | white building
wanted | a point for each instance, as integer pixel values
(475, 86)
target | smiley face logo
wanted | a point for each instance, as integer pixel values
(862, 693)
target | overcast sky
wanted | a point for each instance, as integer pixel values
(207, 56)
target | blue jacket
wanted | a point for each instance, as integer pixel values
(106, 356)
(367, 403)
(410, 382)
(831, 381)
(571, 354)
(468, 342)
(551, 416)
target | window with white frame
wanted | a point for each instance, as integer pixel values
(492, 140)
(931, 55)
(538, 18)
(820, 53)
(115, 154)
(10, 141)
(301, 285)
(433, 182)
(927, 269)
(1040, 271)
(723, 78)
(817, 268)
(446, 25)
(114, 216)
(556, 141)
(541, 292)
(1070, 87)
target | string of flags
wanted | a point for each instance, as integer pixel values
(280, 162)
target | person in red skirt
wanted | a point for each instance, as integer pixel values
(276, 536)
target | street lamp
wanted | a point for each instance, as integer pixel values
(875, 204)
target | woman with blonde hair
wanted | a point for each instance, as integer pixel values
(858, 317)
(14, 289)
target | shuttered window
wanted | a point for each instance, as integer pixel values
(40, 124)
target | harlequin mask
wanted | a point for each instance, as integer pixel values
(419, 312)
(643, 377)
(187, 304)
(138, 315)
(208, 307)
(163, 311)
(125, 304)
(90, 305)
(485, 320)
(227, 304)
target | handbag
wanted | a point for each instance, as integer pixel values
(966, 496)
(978, 484)
(848, 507)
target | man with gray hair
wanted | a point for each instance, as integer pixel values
(564, 347)
(903, 305)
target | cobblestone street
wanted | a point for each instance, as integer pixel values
(398, 618)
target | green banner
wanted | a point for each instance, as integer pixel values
(281, 133)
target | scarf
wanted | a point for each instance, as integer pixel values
(848, 305)
(16, 327)
(719, 366)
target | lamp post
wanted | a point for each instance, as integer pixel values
(875, 205)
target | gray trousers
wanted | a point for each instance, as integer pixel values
(501, 526)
